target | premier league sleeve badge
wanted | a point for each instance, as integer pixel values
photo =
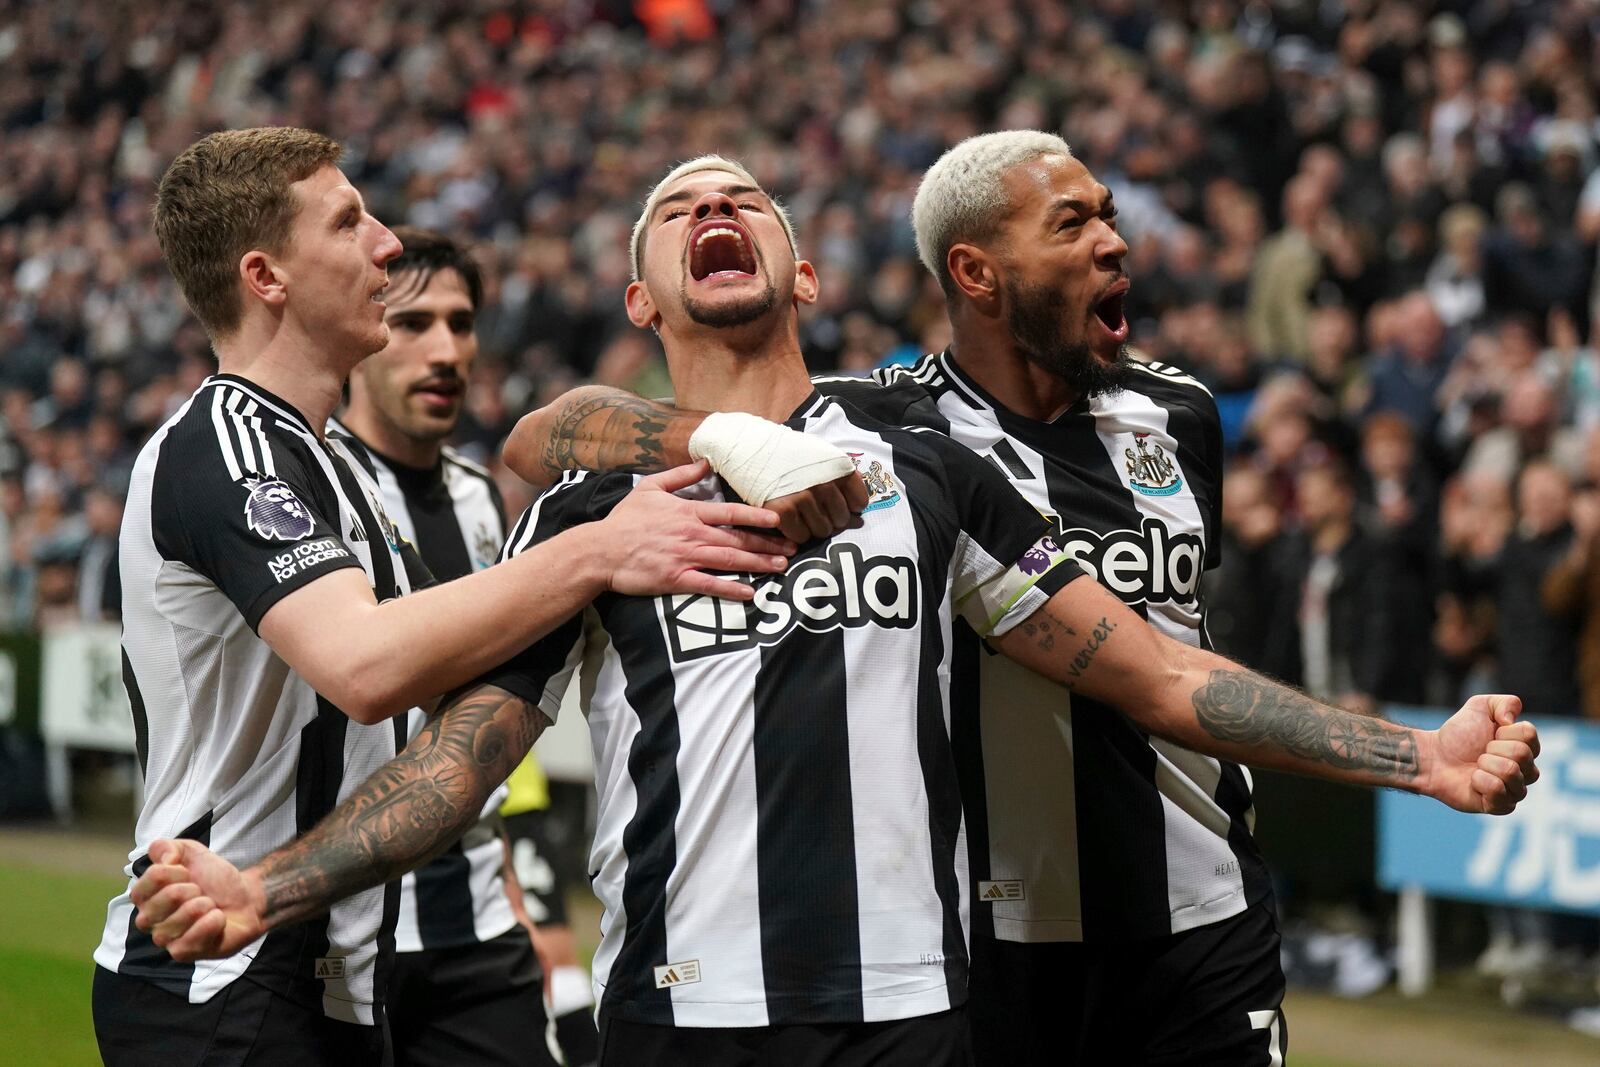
(275, 512)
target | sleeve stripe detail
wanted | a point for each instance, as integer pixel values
(927, 370)
(247, 452)
(1168, 373)
(527, 527)
(268, 467)
(219, 420)
(241, 435)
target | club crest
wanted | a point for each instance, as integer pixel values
(484, 547)
(274, 512)
(1150, 470)
(881, 490)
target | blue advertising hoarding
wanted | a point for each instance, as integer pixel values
(1546, 854)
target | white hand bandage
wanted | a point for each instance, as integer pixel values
(762, 460)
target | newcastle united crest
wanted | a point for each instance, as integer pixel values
(1150, 470)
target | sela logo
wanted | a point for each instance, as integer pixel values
(843, 589)
(1153, 565)
(1005, 889)
(330, 967)
(671, 974)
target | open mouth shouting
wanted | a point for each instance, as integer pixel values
(1109, 310)
(721, 248)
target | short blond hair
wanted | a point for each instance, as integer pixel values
(684, 169)
(224, 195)
(960, 197)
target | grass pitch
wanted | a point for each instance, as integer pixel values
(49, 925)
(54, 888)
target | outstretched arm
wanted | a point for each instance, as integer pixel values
(1482, 760)
(198, 906)
(811, 484)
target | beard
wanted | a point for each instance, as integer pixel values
(1035, 322)
(740, 313)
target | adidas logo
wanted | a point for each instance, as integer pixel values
(1009, 889)
(675, 974)
(330, 967)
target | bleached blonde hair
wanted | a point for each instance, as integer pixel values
(695, 166)
(961, 198)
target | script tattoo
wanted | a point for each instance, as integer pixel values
(1097, 637)
(411, 808)
(1248, 709)
(616, 431)
(1047, 633)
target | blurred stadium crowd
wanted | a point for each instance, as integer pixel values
(1369, 227)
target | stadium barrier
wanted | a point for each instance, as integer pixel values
(1544, 855)
(82, 704)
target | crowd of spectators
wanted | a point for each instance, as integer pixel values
(1368, 225)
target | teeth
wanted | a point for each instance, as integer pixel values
(719, 231)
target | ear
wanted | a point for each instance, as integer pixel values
(806, 287)
(642, 311)
(976, 275)
(262, 278)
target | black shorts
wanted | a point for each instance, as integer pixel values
(139, 1024)
(1208, 997)
(927, 1041)
(539, 865)
(478, 1004)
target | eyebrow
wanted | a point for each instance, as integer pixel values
(1067, 203)
(347, 201)
(683, 194)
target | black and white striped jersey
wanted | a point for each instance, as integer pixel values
(454, 517)
(1140, 837)
(779, 836)
(234, 504)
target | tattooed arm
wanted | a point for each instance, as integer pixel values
(598, 428)
(1482, 760)
(198, 906)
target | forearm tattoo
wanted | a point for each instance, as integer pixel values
(615, 431)
(1244, 708)
(1051, 637)
(411, 808)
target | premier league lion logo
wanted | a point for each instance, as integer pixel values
(274, 512)
(1040, 557)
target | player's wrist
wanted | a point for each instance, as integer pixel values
(257, 916)
(763, 460)
(1426, 782)
(595, 556)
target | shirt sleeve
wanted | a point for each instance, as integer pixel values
(541, 672)
(258, 523)
(890, 396)
(1007, 561)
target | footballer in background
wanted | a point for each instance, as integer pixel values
(466, 979)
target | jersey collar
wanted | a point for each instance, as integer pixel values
(280, 406)
(964, 381)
